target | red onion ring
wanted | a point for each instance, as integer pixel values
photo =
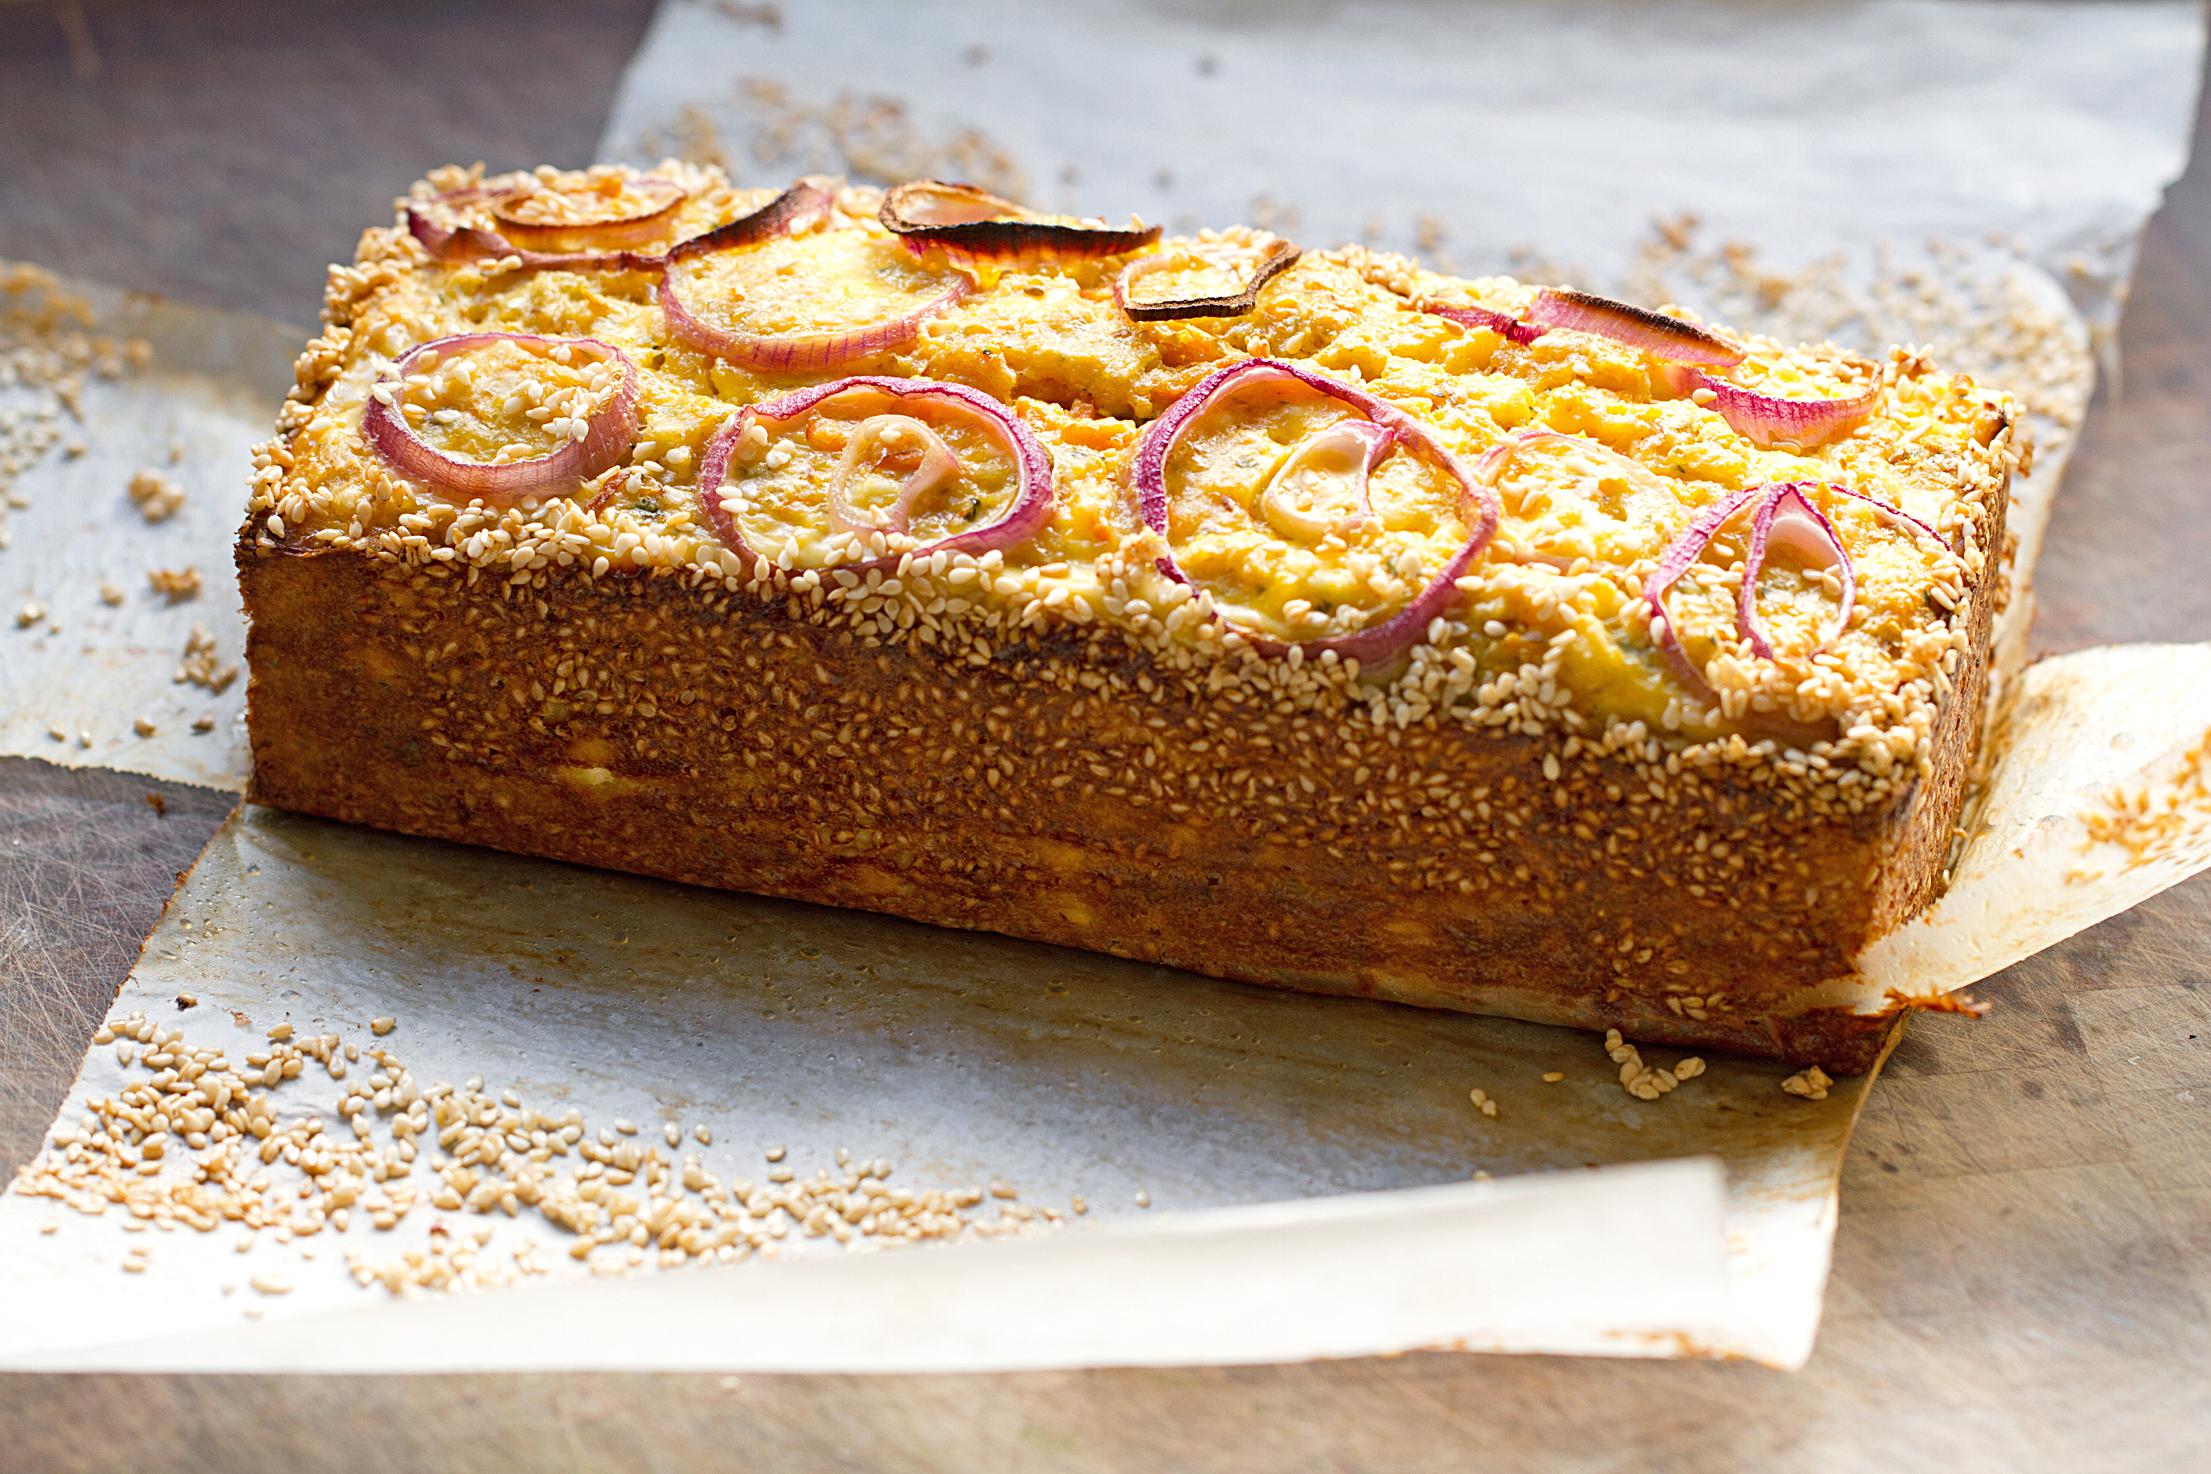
(1767, 420)
(628, 230)
(1481, 317)
(1025, 516)
(938, 465)
(1787, 512)
(1478, 506)
(1369, 442)
(612, 430)
(1679, 556)
(1281, 255)
(1655, 333)
(973, 225)
(797, 353)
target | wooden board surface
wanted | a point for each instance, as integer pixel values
(2023, 1271)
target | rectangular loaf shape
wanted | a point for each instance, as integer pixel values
(1045, 743)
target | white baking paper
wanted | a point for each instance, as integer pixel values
(90, 671)
(1307, 1160)
(1466, 132)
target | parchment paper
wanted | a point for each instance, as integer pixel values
(92, 670)
(963, 1059)
(1307, 1160)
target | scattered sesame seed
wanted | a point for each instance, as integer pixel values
(1143, 1198)
(382, 1026)
(177, 584)
(1552, 1077)
(1811, 1083)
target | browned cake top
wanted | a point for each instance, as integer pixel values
(1332, 480)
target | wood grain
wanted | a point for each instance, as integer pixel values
(2023, 1272)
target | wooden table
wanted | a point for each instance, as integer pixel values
(2023, 1272)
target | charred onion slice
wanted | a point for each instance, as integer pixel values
(1655, 333)
(802, 202)
(792, 303)
(973, 226)
(592, 424)
(1385, 428)
(608, 213)
(1768, 421)
(1277, 258)
(1481, 317)
(891, 413)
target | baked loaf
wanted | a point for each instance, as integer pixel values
(1311, 620)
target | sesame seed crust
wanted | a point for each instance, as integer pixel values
(1523, 815)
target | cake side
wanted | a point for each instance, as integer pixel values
(729, 742)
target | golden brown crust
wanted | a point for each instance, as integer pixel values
(670, 727)
(1520, 816)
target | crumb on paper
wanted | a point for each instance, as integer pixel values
(255, 1163)
(203, 724)
(1810, 1083)
(177, 584)
(187, 1000)
(157, 497)
(111, 596)
(158, 804)
(29, 615)
(144, 728)
(201, 667)
(47, 351)
(1643, 1081)
(2153, 822)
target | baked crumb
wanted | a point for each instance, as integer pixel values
(175, 584)
(1810, 1083)
(199, 1140)
(157, 497)
(201, 667)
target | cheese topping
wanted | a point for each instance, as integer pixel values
(1302, 517)
(1293, 515)
(504, 401)
(866, 461)
(811, 285)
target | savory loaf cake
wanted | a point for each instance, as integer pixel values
(1308, 619)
